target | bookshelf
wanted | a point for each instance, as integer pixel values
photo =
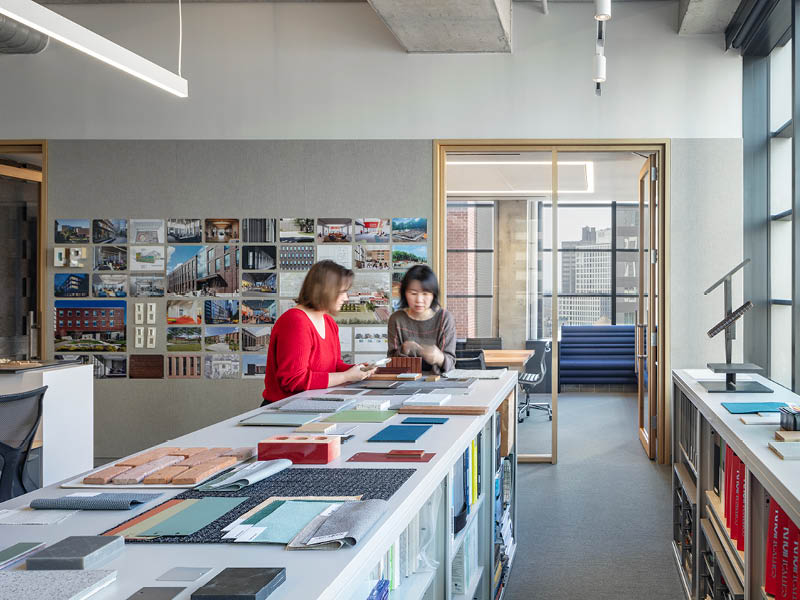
(725, 483)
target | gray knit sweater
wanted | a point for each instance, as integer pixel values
(439, 331)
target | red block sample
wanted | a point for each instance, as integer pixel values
(301, 449)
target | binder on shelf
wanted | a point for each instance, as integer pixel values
(772, 567)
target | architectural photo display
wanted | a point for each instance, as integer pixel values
(222, 230)
(297, 231)
(146, 258)
(183, 339)
(334, 231)
(373, 231)
(70, 285)
(106, 285)
(110, 231)
(184, 231)
(202, 270)
(260, 231)
(90, 326)
(259, 284)
(409, 230)
(72, 231)
(147, 231)
(110, 258)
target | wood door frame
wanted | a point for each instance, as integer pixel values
(439, 256)
(36, 147)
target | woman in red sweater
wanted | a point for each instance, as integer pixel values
(304, 352)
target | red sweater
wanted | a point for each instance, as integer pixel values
(298, 359)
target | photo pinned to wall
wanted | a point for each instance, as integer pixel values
(110, 231)
(147, 231)
(71, 285)
(290, 284)
(346, 339)
(147, 258)
(184, 312)
(254, 366)
(297, 231)
(259, 231)
(258, 258)
(81, 359)
(259, 284)
(334, 231)
(110, 366)
(372, 257)
(296, 258)
(368, 300)
(143, 286)
(221, 338)
(90, 326)
(406, 256)
(202, 270)
(222, 230)
(105, 285)
(259, 312)
(185, 366)
(409, 230)
(219, 312)
(110, 258)
(184, 339)
(342, 255)
(349, 358)
(221, 366)
(72, 231)
(397, 282)
(184, 231)
(371, 339)
(255, 338)
(285, 304)
(372, 230)
(72, 257)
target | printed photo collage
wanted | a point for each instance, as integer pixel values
(224, 283)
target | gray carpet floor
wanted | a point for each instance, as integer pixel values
(598, 524)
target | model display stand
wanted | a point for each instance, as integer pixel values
(728, 324)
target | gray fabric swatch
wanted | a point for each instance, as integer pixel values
(102, 501)
(345, 526)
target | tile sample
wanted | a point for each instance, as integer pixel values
(18, 551)
(165, 475)
(204, 456)
(146, 366)
(105, 476)
(64, 585)
(156, 593)
(242, 584)
(77, 552)
(203, 471)
(195, 517)
(184, 574)
(136, 474)
(146, 457)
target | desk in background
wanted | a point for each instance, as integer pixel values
(513, 359)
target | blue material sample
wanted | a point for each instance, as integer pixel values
(195, 517)
(399, 433)
(424, 420)
(744, 408)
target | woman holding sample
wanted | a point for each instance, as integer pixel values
(421, 327)
(304, 352)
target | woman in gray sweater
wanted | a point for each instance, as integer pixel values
(421, 327)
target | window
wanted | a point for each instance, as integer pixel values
(61, 313)
(111, 323)
(218, 265)
(69, 323)
(227, 260)
(86, 323)
(94, 323)
(60, 323)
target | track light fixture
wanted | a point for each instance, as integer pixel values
(602, 10)
(599, 61)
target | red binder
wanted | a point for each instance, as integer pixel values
(772, 567)
(783, 590)
(728, 491)
(795, 562)
(742, 503)
(736, 509)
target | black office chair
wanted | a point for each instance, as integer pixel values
(476, 361)
(535, 371)
(484, 343)
(20, 415)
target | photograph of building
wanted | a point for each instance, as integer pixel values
(222, 230)
(74, 257)
(184, 231)
(342, 255)
(146, 287)
(297, 231)
(222, 366)
(259, 312)
(203, 270)
(372, 258)
(147, 231)
(255, 339)
(260, 258)
(110, 258)
(221, 338)
(334, 230)
(259, 284)
(110, 366)
(183, 339)
(404, 257)
(71, 285)
(296, 258)
(147, 258)
(90, 326)
(221, 311)
(72, 231)
(110, 231)
(409, 230)
(375, 231)
(184, 312)
(184, 366)
(259, 231)
(254, 365)
(368, 300)
(109, 286)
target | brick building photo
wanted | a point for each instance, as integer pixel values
(90, 326)
(203, 270)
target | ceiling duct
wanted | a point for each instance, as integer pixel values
(16, 38)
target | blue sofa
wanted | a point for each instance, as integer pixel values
(597, 354)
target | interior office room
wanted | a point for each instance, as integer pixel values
(539, 255)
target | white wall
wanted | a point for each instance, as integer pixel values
(333, 71)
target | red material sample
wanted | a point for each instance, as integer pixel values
(389, 457)
(301, 449)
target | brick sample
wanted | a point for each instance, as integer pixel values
(136, 474)
(165, 475)
(204, 471)
(105, 476)
(205, 456)
(146, 457)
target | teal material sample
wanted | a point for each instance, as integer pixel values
(744, 408)
(263, 513)
(195, 517)
(288, 520)
(271, 419)
(399, 433)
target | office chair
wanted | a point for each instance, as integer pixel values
(470, 362)
(535, 370)
(484, 343)
(20, 415)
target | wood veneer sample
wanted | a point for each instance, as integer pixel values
(187, 452)
(146, 457)
(242, 453)
(146, 366)
(204, 456)
(105, 476)
(204, 471)
(316, 427)
(136, 474)
(165, 475)
(787, 436)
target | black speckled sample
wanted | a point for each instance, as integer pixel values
(77, 552)
(241, 584)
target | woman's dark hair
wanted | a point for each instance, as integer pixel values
(322, 285)
(427, 279)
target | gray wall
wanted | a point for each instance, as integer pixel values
(188, 179)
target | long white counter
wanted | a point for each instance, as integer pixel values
(310, 574)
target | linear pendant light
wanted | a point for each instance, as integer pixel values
(60, 28)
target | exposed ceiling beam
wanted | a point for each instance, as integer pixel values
(705, 16)
(20, 173)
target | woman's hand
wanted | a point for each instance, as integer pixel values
(410, 348)
(432, 355)
(357, 372)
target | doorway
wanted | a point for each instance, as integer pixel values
(23, 188)
(562, 230)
